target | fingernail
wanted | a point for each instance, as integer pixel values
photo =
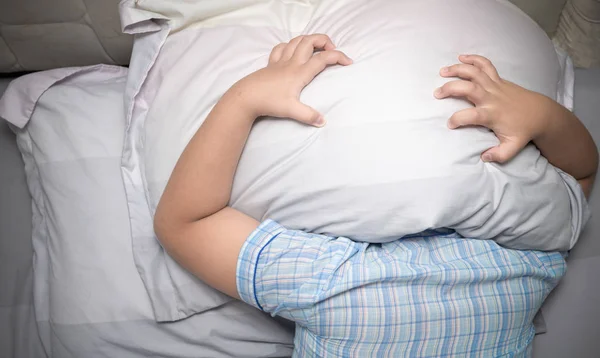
(320, 122)
(486, 157)
(437, 92)
(445, 70)
(451, 125)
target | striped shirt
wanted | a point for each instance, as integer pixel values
(435, 296)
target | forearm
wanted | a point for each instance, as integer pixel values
(192, 221)
(568, 145)
(201, 182)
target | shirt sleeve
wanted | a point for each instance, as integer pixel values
(285, 272)
(248, 260)
(580, 211)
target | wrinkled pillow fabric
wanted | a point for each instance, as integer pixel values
(89, 299)
(386, 165)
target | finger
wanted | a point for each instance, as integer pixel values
(277, 52)
(467, 72)
(482, 63)
(323, 59)
(289, 50)
(305, 114)
(309, 44)
(469, 117)
(460, 88)
(503, 152)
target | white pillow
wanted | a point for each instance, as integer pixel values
(385, 165)
(89, 298)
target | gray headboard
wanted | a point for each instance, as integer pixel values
(44, 34)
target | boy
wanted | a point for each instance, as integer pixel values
(412, 297)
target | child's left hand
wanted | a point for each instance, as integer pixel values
(515, 114)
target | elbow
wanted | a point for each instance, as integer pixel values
(595, 159)
(163, 227)
(587, 184)
(169, 227)
(159, 227)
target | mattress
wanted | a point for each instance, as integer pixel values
(570, 313)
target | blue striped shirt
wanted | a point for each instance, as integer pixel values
(435, 296)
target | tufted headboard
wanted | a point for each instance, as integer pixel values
(43, 34)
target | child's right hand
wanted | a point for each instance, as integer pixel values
(275, 90)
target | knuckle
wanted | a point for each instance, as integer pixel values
(470, 87)
(448, 85)
(480, 116)
(464, 70)
(304, 40)
(320, 56)
(275, 51)
(330, 55)
(295, 40)
(501, 157)
(485, 62)
(453, 68)
(483, 93)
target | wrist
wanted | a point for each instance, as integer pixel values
(549, 116)
(240, 97)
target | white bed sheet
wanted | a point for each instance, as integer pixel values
(88, 296)
(571, 312)
(18, 331)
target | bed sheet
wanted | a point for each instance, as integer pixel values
(571, 312)
(18, 331)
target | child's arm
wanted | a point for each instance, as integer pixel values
(518, 116)
(192, 219)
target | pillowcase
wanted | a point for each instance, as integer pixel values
(89, 299)
(386, 165)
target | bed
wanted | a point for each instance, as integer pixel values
(566, 325)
